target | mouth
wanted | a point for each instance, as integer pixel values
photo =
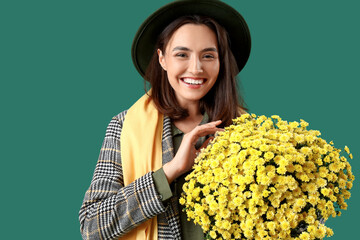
(193, 81)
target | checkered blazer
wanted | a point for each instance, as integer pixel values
(109, 209)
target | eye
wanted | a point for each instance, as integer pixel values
(208, 56)
(181, 55)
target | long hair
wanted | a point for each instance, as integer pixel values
(222, 101)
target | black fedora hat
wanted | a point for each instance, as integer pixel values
(143, 45)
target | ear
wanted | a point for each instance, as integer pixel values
(161, 59)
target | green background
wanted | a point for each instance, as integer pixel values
(65, 70)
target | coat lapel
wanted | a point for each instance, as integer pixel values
(172, 210)
(167, 143)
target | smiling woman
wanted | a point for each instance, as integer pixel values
(197, 49)
(207, 57)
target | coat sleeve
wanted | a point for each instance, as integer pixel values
(109, 209)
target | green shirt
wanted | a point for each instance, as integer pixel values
(189, 231)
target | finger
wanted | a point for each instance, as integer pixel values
(213, 123)
(204, 145)
(206, 142)
(205, 129)
(209, 125)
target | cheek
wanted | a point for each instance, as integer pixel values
(172, 73)
(214, 70)
(174, 68)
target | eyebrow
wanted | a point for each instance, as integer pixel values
(210, 49)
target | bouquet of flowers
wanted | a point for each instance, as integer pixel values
(266, 178)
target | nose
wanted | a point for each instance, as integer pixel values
(195, 65)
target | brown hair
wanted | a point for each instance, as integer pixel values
(222, 101)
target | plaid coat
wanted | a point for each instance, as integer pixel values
(109, 209)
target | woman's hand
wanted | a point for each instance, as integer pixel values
(184, 158)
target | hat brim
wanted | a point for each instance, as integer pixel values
(143, 46)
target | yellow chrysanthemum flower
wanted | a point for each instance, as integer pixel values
(347, 149)
(213, 234)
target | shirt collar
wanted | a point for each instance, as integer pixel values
(175, 131)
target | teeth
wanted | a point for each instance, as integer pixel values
(193, 81)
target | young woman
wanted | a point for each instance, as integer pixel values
(190, 51)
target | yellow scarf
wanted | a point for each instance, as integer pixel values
(141, 152)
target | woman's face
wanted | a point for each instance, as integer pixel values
(191, 60)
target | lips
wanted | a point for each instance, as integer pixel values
(193, 81)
